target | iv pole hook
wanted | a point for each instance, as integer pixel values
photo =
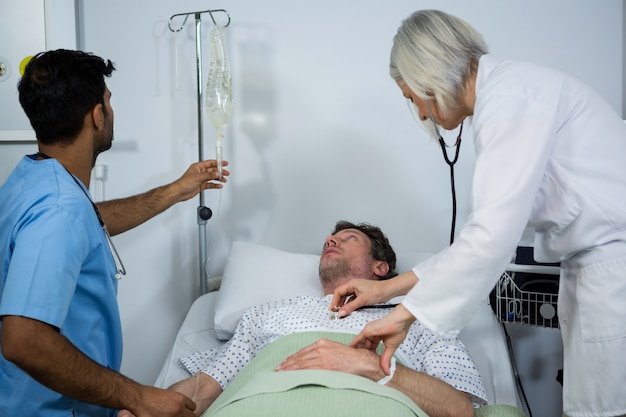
(197, 14)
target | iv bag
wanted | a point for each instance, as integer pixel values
(219, 92)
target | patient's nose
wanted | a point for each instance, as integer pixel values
(331, 240)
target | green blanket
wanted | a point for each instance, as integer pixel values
(259, 391)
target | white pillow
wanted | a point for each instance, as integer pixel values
(408, 260)
(255, 274)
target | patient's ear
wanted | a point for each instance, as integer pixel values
(381, 268)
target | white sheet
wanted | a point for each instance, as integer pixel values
(483, 336)
(196, 334)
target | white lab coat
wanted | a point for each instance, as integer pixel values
(551, 154)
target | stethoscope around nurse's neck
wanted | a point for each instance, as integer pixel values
(450, 163)
(119, 266)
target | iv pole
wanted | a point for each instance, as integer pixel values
(203, 213)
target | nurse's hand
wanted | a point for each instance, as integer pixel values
(155, 402)
(391, 330)
(198, 177)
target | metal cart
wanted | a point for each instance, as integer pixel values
(527, 292)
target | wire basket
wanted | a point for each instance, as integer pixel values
(527, 294)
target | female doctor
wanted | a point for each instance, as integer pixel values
(551, 154)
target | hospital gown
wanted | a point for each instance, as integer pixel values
(444, 358)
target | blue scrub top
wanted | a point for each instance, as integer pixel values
(56, 267)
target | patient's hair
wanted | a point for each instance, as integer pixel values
(58, 89)
(381, 248)
(433, 53)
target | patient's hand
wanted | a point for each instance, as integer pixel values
(334, 356)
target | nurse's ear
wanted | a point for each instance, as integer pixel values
(98, 116)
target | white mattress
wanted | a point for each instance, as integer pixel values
(483, 336)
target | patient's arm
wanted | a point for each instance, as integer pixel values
(436, 398)
(201, 388)
(433, 396)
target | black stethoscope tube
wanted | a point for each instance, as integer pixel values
(450, 163)
(452, 183)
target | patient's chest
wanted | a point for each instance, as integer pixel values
(306, 313)
(302, 314)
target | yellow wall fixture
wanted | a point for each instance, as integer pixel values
(23, 63)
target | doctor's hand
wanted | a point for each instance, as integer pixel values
(361, 292)
(391, 330)
(356, 293)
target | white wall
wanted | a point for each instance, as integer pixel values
(319, 131)
(623, 64)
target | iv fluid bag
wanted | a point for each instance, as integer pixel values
(219, 92)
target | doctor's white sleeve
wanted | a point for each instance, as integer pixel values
(513, 139)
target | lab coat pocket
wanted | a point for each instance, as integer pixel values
(601, 292)
(555, 209)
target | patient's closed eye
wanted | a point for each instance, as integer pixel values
(349, 236)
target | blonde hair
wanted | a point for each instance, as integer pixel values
(433, 53)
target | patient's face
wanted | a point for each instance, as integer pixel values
(346, 255)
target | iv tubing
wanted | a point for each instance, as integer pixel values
(218, 155)
(199, 81)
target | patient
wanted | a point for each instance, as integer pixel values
(438, 375)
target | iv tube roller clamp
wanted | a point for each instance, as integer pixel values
(204, 213)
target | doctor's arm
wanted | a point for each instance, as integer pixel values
(435, 397)
(126, 213)
(56, 363)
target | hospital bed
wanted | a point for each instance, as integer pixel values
(255, 274)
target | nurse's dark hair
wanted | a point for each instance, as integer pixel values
(58, 89)
(433, 53)
(381, 248)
